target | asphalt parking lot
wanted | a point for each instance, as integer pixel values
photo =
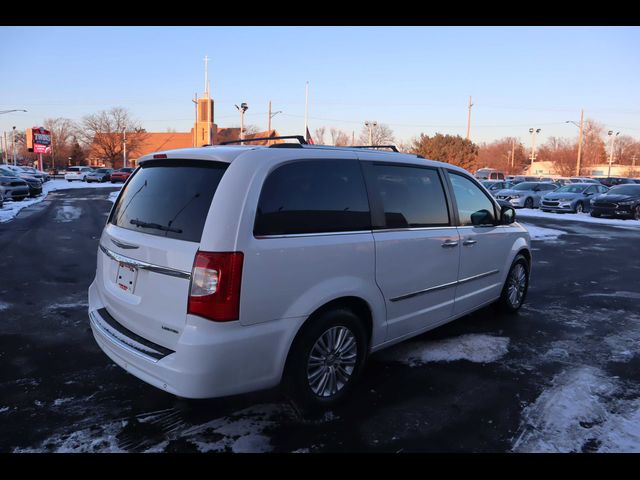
(561, 375)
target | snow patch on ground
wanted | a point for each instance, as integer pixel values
(577, 413)
(577, 217)
(113, 196)
(631, 295)
(67, 213)
(11, 209)
(539, 233)
(83, 441)
(4, 409)
(472, 347)
(4, 306)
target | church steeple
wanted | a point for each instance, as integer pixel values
(204, 131)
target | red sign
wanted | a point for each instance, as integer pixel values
(40, 139)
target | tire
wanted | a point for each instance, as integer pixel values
(579, 208)
(69, 181)
(528, 203)
(636, 213)
(595, 214)
(314, 395)
(511, 300)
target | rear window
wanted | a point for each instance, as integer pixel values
(169, 199)
(315, 196)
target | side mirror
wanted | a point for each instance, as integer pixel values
(507, 215)
(481, 217)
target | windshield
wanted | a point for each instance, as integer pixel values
(525, 186)
(102, 170)
(625, 190)
(7, 172)
(572, 189)
(169, 198)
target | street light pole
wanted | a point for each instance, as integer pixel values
(469, 119)
(242, 108)
(370, 126)
(580, 126)
(533, 133)
(13, 145)
(124, 147)
(613, 139)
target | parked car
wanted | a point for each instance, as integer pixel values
(237, 268)
(526, 194)
(39, 174)
(100, 175)
(14, 187)
(494, 186)
(636, 180)
(489, 174)
(619, 201)
(34, 184)
(121, 175)
(515, 179)
(613, 181)
(77, 173)
(573, 198)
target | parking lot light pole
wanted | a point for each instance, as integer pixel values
(613, 140)
(13, 145)
(124, 147)
(533, 133)
(370, 126)
(579, 141)
(242, 108)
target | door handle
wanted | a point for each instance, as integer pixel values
(469, 242)
(449, 243)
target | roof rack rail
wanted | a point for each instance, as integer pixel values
(391, 147)
(300, 138)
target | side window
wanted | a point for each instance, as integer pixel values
(592, 190)
(602, 188)
(315, 196)
(411, 197)
(474, 207)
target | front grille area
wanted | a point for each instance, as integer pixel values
(551, 204)
(605, 205)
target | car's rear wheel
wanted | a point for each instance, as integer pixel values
(528, 203)
(579, 207)
(516, 286)
(325, 360)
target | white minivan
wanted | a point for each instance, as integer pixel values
(228, 269)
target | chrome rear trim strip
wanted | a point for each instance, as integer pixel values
(145, 265)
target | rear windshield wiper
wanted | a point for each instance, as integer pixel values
(157, 226)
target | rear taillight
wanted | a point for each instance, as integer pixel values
(215, 285)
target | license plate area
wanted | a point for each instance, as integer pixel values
(126, 277)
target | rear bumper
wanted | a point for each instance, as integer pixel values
(210, 359)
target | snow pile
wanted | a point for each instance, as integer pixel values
(579, 413)
(11, 208)
(577, 217)
(539, 233)
(477, 348)
(67, 213)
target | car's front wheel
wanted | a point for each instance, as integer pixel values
(528, 203)
(326, 359)
(579, 207)
(516, 286)
(636, 212)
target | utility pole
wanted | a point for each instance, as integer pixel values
(469, 119)
(580, 143)
(513, 153)
(353, 137)
(306, 109)
(533, 133)
(269, 127)
(5, 152)
(613, 139)
(13, 145)
(124, 147)
(370, 126)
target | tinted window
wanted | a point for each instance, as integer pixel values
(547, 187)
(525, 186)
(593, 189)
(169, 199)
(474, 207)
(625, 190)
(313, 197)
(409, 196)
(602, 188)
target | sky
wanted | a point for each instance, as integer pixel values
(414, 79)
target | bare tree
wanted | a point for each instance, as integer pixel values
(506, 154)
(405, 147)
(381, 135)
(63, 135)
(339, 138)
(562, 153)
(103, 133)
(593, 146)
(319, 135)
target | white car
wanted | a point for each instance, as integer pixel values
(77, 173)
(228, 269)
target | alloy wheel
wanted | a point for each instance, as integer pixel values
(332, 361)
(517, 285)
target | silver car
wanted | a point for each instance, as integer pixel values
(526, 194)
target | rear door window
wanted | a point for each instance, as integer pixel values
(316, 196)
(169, 198)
